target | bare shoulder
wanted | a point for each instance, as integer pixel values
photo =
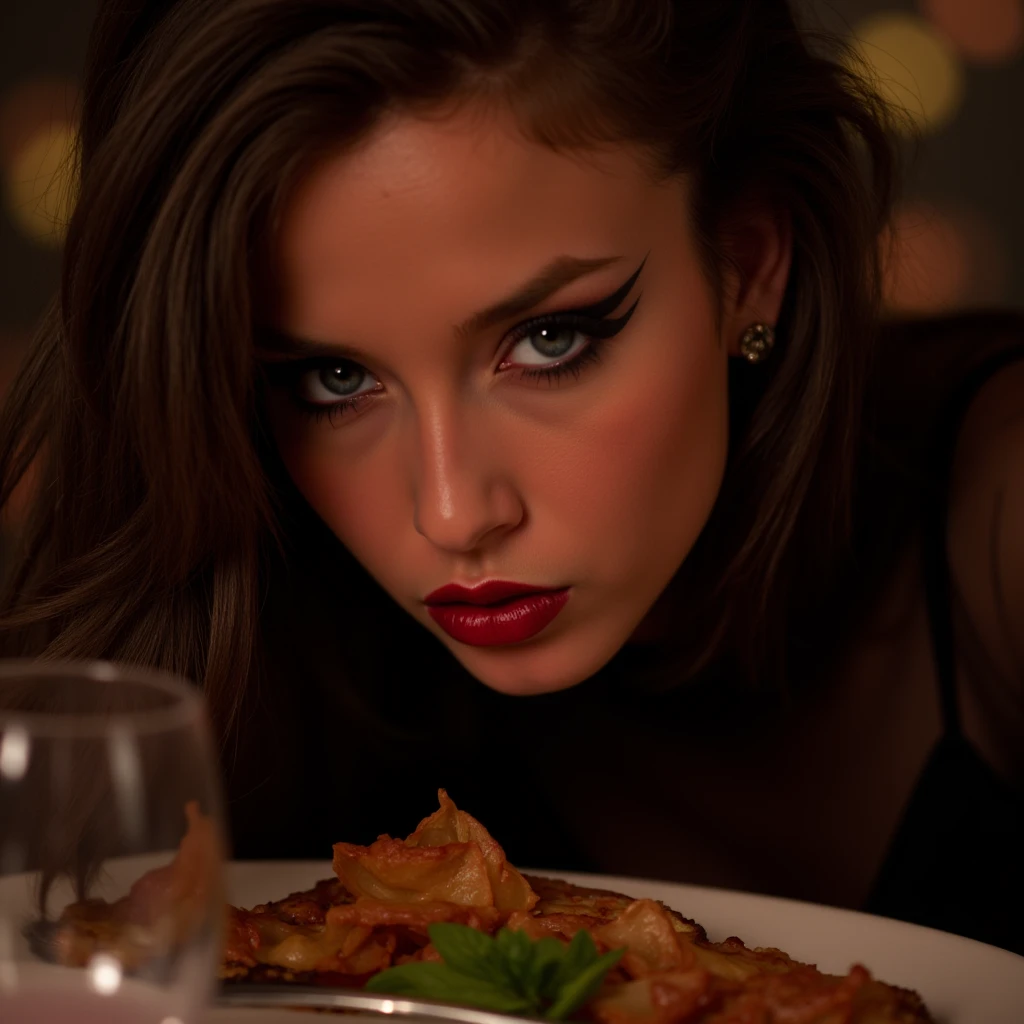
(986, 553)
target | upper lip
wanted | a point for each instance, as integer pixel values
(489, 592)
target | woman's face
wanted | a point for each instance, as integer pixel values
(453, 420)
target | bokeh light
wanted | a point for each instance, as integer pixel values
(41, 183)
(939, 259)
(913, 66)
(983, 31)
(30, 104)
(38, 134)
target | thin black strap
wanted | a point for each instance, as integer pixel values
(935, 518)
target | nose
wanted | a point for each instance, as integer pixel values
(464, 498)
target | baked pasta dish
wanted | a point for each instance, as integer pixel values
(443, 914)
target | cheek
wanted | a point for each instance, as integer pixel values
(362, 499)
(649, 461)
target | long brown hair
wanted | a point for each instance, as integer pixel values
(159, 505)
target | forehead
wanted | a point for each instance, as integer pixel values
(455, 207)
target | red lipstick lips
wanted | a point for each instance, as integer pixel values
(495, 612)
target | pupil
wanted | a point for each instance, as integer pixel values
(553, 341)
(342, 380)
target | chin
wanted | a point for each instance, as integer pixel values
(526, 670)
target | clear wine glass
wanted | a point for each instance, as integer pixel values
(111, 846)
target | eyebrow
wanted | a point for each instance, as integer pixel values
(561, 271)
(555, 276)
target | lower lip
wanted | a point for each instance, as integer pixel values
(511, 622)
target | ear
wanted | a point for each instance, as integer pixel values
(757, 242)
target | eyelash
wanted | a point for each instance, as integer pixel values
(598, 331)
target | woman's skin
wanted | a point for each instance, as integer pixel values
(456, 468)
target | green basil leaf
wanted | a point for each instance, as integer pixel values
(516, 951)
(412, 979)
(439, 981)
(578, 957)
(469, 952)
(510, 973)
(548, 957)
(576, 992)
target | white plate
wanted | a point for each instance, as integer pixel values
(961, 981)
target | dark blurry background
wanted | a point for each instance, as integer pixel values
(956, 66)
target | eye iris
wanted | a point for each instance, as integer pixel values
(341, 380)
(553, 341)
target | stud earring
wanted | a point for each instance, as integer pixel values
(757, 342)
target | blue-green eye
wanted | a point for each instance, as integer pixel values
(326, 385)
(560, 343)
(547, 344)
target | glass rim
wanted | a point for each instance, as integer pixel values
(186, 709)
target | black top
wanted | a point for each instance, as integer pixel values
(957, 859)
(560, 778)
